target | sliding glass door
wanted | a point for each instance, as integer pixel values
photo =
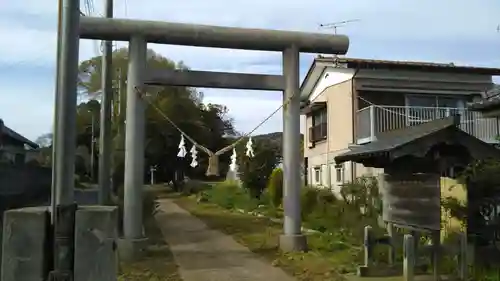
(425, 108)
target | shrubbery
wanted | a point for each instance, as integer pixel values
(230, 195)
(194, 187)
(275, 187)
(321, 210)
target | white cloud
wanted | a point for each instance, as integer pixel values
(24, 111)
(27, 46)
(25, 6)
(249, 111)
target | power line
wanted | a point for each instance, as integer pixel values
(90, 11)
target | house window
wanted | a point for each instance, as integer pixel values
(318, 131)
(421, 101)
(434, 101)
(452, 172)
(425, 108)
(339, 173)
(19, 159)
(317, 175)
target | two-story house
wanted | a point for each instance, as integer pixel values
(14, 148)
(350, 101)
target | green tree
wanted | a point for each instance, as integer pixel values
(44, 140)
(207, 124)
(255, 171)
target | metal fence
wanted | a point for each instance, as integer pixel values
(376, 119)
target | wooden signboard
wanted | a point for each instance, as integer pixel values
(412, 200)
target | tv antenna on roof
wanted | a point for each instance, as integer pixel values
(335, 25)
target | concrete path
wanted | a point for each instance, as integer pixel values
(204, 254)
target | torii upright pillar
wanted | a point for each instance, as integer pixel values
(292, 238)
(134, 151)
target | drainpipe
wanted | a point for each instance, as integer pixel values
(354, 117)
(328, 169)
(497, 137)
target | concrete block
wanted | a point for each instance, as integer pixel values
(363, 271)
(25, 244)
(293, 243)
(95, 243)
(87, 196)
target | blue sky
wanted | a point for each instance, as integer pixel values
(459, 31)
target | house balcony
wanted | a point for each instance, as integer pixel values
(376, 119)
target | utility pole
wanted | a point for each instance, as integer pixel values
(119, 101)
(106, 104)
(66, 124)
(53, 190)
(64, 147)
(116, 141)
(92, 146)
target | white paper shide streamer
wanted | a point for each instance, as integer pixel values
(249, 146)
(194, 156)
(182, 148)
(232, 166)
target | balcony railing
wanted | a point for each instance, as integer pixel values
(374, 119)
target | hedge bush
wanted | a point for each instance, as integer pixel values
(321, 210)
(230, 195)
(194, 187)
(275, 187)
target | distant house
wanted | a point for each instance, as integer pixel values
(14, 148)
(352, 102)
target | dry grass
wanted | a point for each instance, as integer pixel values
(261, 236)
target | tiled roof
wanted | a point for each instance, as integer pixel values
(4, 130)
(408, 65)
(417, 139)
(393, 139)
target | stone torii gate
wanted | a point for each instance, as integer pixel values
(138, 33)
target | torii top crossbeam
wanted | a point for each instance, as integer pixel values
(211, 36)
